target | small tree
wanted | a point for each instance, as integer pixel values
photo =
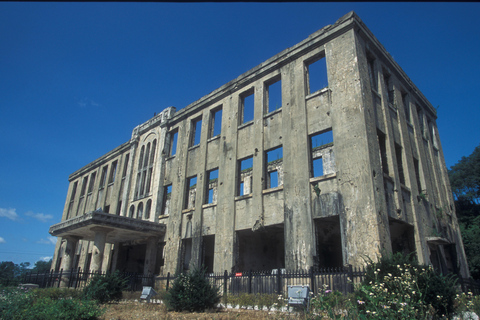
(192, 292)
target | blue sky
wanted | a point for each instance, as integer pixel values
(76, 78)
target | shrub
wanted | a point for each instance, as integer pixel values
(192, 292)
(330, 304)
(21, 305)
(105, 288)
(397, 286)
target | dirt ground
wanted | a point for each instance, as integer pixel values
(143, 311)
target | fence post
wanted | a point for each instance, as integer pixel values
(350, 276)
(225, 280)
(312, 281)
(279, 281)
(249, 285)
(168, 280)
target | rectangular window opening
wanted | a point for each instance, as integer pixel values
(244, 176)
(398, 154)
(125, 166)
(406, 106)
(191, 192)
(317, 77)
(383, 151)
(84, 186)
(113, 172)
(274, 165)
(371, 72)
(167, 195)
(389, 88)
(417, 174)
(92, 182)
(103, 177)
(216, 123)
(318, 146)
(196, 132)
(212, 183)
(247, 104)
(273, 95)
(173, 143)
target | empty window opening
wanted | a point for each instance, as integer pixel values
(420, 121)
(167, 195)
(274, 168)
(113, 172)
(329, 243)
(316, 71)
(273, 94)
(402, 237)
(383, 150)
(119, 207)
(212, 183)
(191, 192)
(196, 132)
(247, 105)
(106, 209)
(125, 165)
(398, 155)
(72, 198)
(140, 211)
(406, 106)
(148, 209)
(389, 88)
(103, 177)
(208, 253)
(132, 258)
(321, 146)
(261, 250)
(173, 143)
(186, 253)
(371, 72)
(244, 176)
(132, 211)
(215, 123)
(417, 174)
(92, 182)
(84, 186)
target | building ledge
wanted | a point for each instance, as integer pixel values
(438, 240)
(122, 228)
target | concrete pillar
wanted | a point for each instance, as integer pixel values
(98, 248)
(150, 256)
(71, 244)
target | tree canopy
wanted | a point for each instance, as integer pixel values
(465, 182)
(465, 177)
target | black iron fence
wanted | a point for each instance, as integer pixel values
(276, 281)
(76, 278)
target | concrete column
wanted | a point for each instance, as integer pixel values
(98, 248)
(150, 256)
(71, 244)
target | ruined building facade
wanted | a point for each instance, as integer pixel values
(320, 156)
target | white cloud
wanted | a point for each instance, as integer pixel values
(49, 240)
(39, 216)
(87, 102)
(2, 240)
(46, 259)
(9, 213)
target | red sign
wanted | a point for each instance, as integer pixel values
(238, 274)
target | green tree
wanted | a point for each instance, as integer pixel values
(465, 181)
(7, 271)
(42, 266)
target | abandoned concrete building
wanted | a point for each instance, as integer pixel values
(323, 155)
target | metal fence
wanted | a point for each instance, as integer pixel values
(276, 281)
(78, 279)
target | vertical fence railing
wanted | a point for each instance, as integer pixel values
(275, 281)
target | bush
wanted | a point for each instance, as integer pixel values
(192, 292)
(21, 305)
(105, 288)
(397, 286)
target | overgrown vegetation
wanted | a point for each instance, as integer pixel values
(46, 304)
(105, 288)
(192, 292)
